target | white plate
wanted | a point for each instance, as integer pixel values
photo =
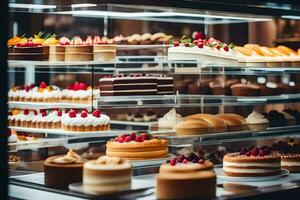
(221, 175)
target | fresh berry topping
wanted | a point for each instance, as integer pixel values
(116, 139)
(82, 86)
(201, 161)
(192, 156)
(84, 114)
(77, 41)
(76, 86)
(198, 35)
(175, 44)
(261, 153)
(195, 160)
(97, 113)
(226, 48)
(200, 45)
(43, 85)
(132, 136)
(255, 151)
(26, 112)
(72, 113)
(123, 136)
(139, 139)
(121, 140)
(44, 114)
(59, 113)
(97, 40)
(248, 154)
(187, 44)
(127, 139)
(173, 161)
(185, 161)
(145, 136)
(66, 111)
(218, 47)
(69, 87)
(35, 112)
(195, 42)
(181, 158)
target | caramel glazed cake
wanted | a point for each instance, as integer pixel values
(252, 163)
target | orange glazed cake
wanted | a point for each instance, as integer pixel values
(137, 147)
(251, 163)
(186, 177)
(107, 174)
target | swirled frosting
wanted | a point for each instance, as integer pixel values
(256, 118)
(70, 158)
(170, 119)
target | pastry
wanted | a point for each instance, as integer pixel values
(107, 175)
(276, 118)
(242, 89)
(251, 163)
(164, 85)
(192, 127)
(216, 125)
(79, 92)
(181, 179)
(137, 147)
(102, 51)
(146, 39)
(234, 122)
(84, 121)
(60, 171)
(169, 120)
(257, 121)
(77, 50)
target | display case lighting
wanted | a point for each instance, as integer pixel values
(31, 6)
(83, 5)
(290, 17)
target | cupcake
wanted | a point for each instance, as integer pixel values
(257, 121)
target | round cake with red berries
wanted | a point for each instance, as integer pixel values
(182, 177)
(252, 162)
(137, 147)
(84, 121)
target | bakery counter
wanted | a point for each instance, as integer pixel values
(143, 186)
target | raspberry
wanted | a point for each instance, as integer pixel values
(248, 154)
(43, 85)
(226, 48)
(83, 114)
(116, 139)
(127, 139)
(201, 161)
(139, 139)
(181, 158)
(200, 45)
(175, 44)
(132, 136)
(76, 86)
(44, 114)
(59, 113)
(261, 153)
(185, 161)
(123, 136)
(121, 140)
(255, 151)
(145, 136)
(26, 112)
(173, 161)
(72, 113)
(82, 86)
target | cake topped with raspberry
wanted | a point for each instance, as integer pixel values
(256, 161)
(137, 146)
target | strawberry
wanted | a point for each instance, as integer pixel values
(200, 45)
(76, 86)
(43, 85)
(82, 86)
(72, 113)
(59, 113)
(198, 35)
(44, 114)
(123, 136)
(83, 114)
(127, 139)
(97, 113)
(121, 140)
(64, 41)
(175, 44)
(226, 48)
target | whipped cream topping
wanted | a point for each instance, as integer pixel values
(170, 119)
(70, 158)
(35, 93)
(90, 120)
(256, 118)
(290, 163)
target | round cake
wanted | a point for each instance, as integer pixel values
(291, 162)
(184, 179)
(192, 127)
(252, 163)
(107, 174)
(137, 147)
(60, 171)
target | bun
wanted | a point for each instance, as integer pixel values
(192, 127)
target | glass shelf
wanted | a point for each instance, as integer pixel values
(185, 100)
(42, 105)
(134, 64)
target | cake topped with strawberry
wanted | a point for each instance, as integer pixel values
(203, 49)
(81, 121)
(137, 146)
(79, 92)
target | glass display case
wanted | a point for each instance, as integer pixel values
(84, 76)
